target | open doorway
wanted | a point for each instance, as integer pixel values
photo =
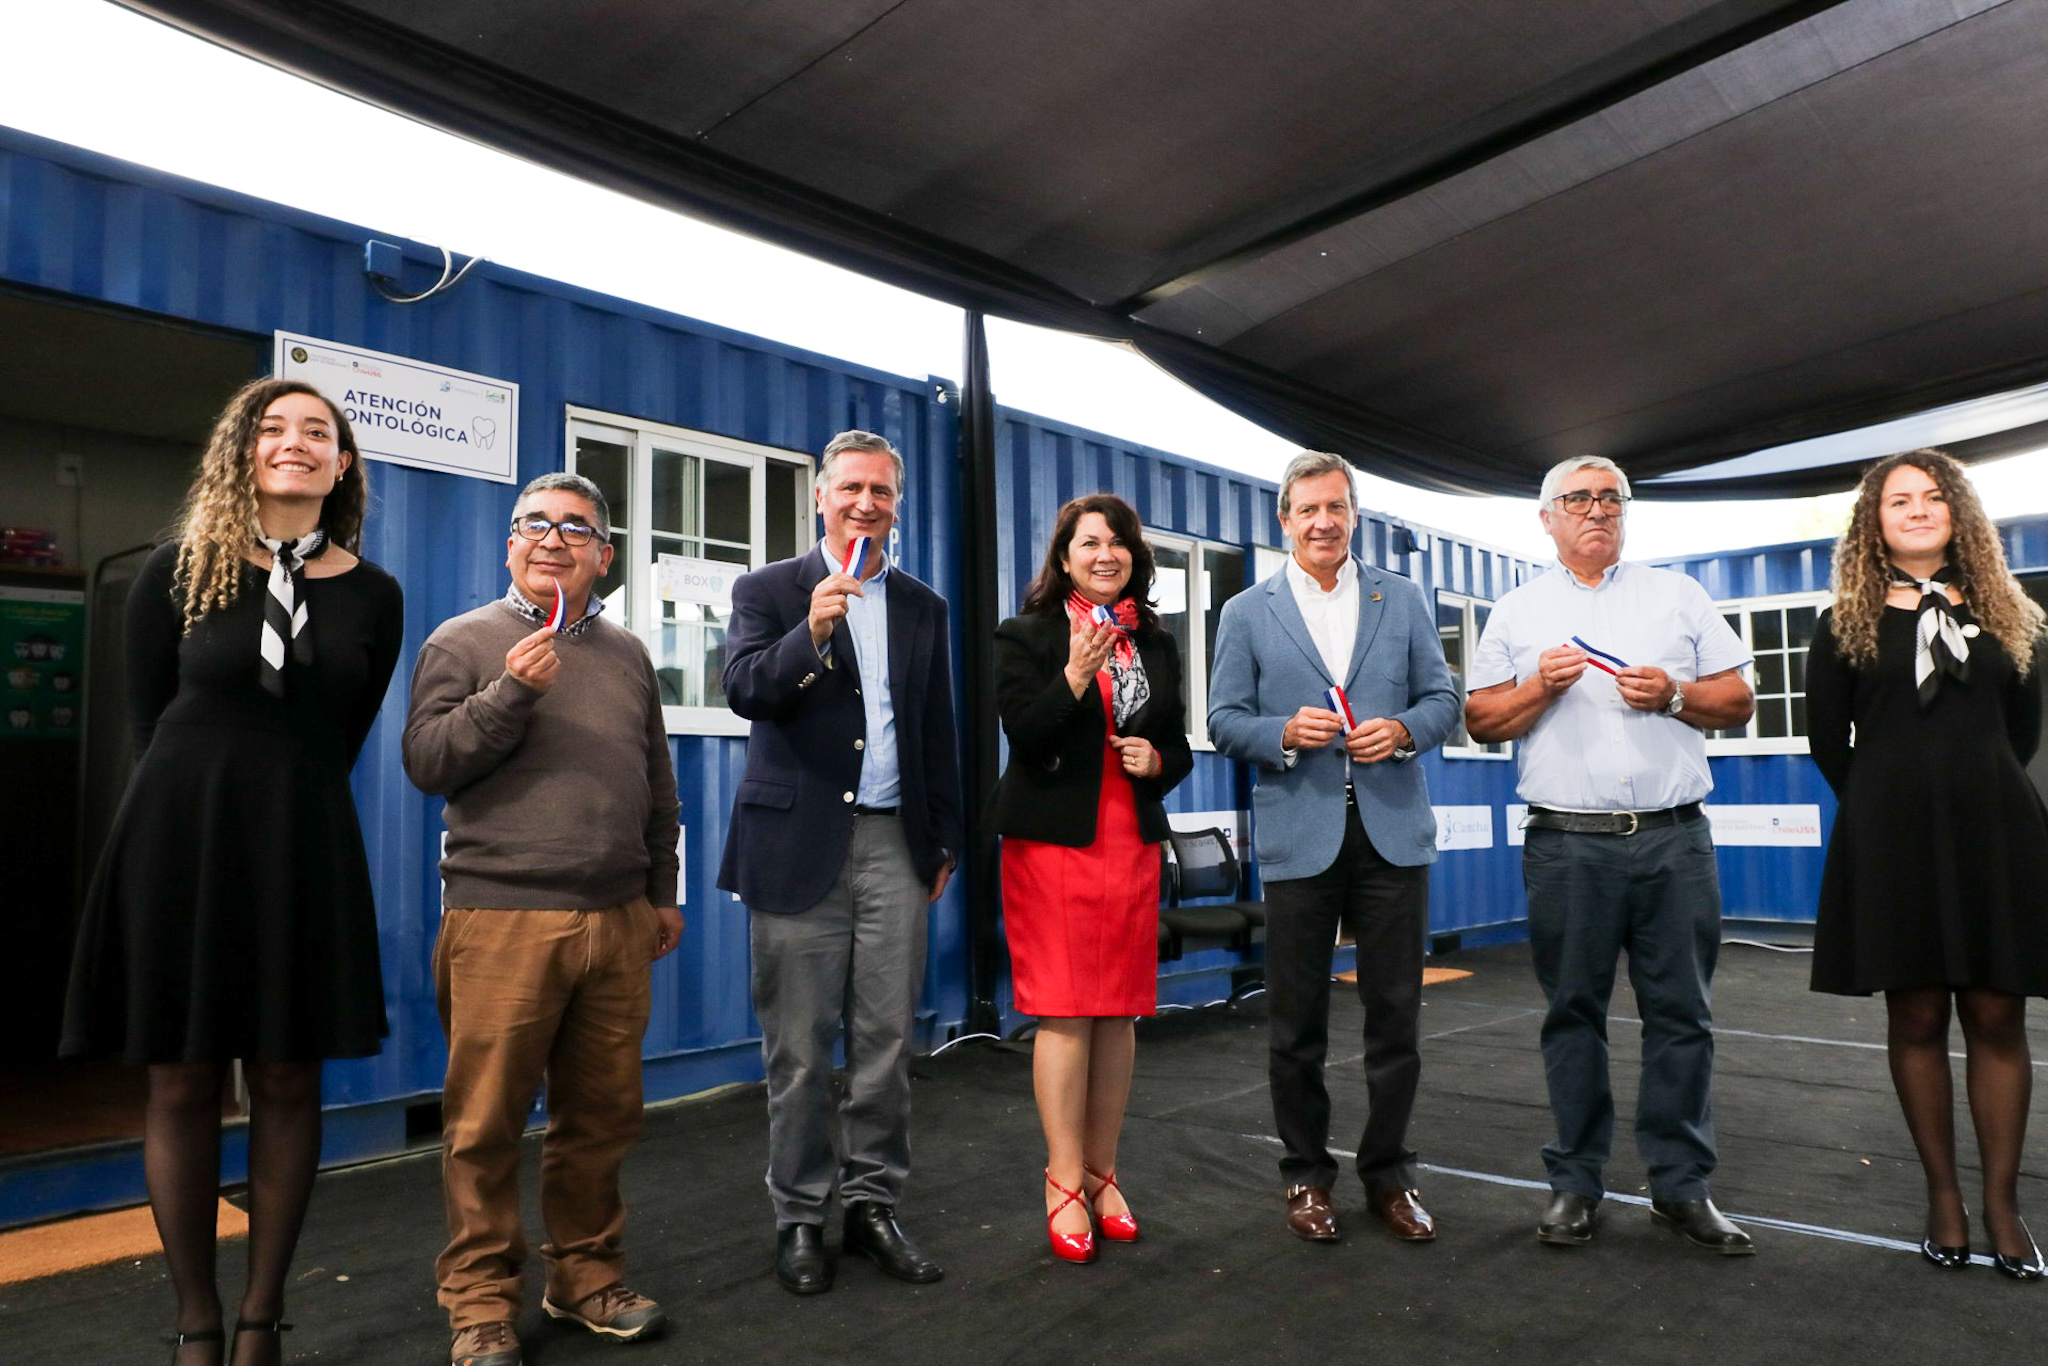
(102, 417)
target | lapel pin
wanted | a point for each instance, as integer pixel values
(1375, 597)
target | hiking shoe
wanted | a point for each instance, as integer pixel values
(485, 1344)
(613, 1312)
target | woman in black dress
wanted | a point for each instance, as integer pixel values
(1936, 886)
(231, 915)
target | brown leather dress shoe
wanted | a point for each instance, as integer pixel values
(1404, 1216)
(1309, 1214)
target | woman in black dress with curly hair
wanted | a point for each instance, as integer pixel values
(1936, 886)
(231, 914)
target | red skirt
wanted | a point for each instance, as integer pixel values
(1083, 924)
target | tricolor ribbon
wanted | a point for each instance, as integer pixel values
(1341, 704)
(856, 555)
(1102, 616)
(561, 612)
(1601, 660)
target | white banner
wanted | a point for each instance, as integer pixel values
(408, 412)
(1780, 826)
(682, 578)
(1464, 827)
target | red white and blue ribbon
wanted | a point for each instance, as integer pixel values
(1600, 659)
(1341, 704)
(561, 613)
(856, 557)
(1102, 616)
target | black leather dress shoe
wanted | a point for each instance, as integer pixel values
(1699, 1223)
(800, 1259)
(1947, 1258)
(2027, 1268)
(1567, 1220)
(872, 1231)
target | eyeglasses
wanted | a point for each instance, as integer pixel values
(535, 527)
(1579, 502)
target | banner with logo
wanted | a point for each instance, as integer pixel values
(1781, 826)
(407, 412)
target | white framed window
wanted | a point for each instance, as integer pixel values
(1777, 631)
(690, 511)
(1459, 622)
(1193, 581)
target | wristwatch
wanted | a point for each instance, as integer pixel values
(1677, 703)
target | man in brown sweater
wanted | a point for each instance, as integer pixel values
(559, 890)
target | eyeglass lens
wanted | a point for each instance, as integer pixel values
(1578, 500)
(537, 529)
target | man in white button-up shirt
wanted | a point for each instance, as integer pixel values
(1343, 828)
(1609, 674)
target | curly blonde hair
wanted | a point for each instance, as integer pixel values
(219, 523)
(1862, 569)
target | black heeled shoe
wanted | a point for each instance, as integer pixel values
(178, 1340)
(1947, 1258)
(2028, 1268)
(271, 1326)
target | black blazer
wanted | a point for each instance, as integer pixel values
(1052, 789)
(793, 815)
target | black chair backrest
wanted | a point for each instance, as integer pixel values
(1206, 862)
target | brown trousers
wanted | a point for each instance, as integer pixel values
(526, 996)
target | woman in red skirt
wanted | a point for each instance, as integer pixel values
(1089, 685)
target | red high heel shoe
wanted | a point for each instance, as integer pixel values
(1069, 1247)
(1117, 1228)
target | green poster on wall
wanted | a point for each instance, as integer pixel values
(42, 662)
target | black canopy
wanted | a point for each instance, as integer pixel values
(1454, 241)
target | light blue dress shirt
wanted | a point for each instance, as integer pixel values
(867, 622)
(1591, 751)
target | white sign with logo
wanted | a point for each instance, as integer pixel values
(1464, 827)
(682, 578)
(408, 412)
(1779, 826)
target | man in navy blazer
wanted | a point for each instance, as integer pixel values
(1343, 827)
(844, 831)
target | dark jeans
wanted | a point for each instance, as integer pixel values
(1387, 908)
(1657, 895)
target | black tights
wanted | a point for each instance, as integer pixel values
(181, 1161)
(2001, 1078)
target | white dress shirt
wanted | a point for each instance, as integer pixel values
(1332, 617)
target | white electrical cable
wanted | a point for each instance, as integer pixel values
(450, 277)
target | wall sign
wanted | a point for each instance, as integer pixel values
(407, 412)
(42, 632)
(685, 578)
(1779, 826)
(1464, 827)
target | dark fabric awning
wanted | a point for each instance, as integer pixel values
(1455, 242)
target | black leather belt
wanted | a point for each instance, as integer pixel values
(875, 810)
(1608, 822)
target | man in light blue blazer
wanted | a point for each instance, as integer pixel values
(1343, 827)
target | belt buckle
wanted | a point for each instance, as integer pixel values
(1633, 823)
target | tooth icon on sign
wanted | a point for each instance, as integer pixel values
(486, 431)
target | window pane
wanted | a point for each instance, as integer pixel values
(1480, 612)
(728, 502)
(1767, 629)
(1770, 675)
(1798, 661)
(1225, 571)
(604, 464)
(1772, 718)
(1170, 590)
(785, 498)
(689, 656)
(612, 587)
(1799, 624)
(1450, 633)
(1734, 620)
(674, 482)
(1799, 716)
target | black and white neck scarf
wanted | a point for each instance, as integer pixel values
(284, 608)
(1941, 643)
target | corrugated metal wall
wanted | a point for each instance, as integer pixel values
(110, 234)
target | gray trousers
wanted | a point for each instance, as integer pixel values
(1657, 895)
(853, 961)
